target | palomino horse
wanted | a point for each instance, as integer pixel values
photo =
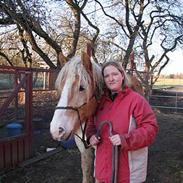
(78, 83)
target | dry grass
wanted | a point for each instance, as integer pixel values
(162, 82)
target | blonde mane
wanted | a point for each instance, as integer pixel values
(74, 68)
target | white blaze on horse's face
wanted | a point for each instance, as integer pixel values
(57, 129)
(76, 89)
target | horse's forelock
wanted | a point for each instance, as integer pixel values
(67, 69)
(71, 70)
(74, 67)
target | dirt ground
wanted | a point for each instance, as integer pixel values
(165, 158)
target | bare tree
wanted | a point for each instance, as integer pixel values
(140, 26)
(164, 29)
(30, 22)
(114, 27)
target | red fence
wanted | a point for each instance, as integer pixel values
(14, 149)
(16, 89)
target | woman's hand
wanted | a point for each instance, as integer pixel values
(115, 139)
(93, 140)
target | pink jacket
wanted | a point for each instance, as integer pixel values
(132, 118)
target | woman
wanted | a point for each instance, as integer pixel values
(134, 128)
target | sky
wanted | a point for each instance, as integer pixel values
(175, 64)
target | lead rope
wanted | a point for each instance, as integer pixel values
(114, 150)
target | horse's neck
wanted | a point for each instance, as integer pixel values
(78, 141)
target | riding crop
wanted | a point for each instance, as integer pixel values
(114, 151)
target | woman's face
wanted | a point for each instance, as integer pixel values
(113, 78)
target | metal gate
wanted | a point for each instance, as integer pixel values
(167, 101)
(17, 147)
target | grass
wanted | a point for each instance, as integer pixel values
(164, 82)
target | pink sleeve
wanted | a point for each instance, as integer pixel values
(147, 127)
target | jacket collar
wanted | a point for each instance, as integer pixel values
(109, 96)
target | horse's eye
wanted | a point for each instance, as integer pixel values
(81, 88)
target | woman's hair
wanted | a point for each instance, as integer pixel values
(118, 66)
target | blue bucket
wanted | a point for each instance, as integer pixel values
(68, 144)
(14, 129)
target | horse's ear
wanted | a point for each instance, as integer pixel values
(62, 59)
(89, 49)
(85, 58)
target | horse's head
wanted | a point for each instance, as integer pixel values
(76, 84)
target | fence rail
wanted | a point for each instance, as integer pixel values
(164, 100)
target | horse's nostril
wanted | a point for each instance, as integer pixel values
(61, 129)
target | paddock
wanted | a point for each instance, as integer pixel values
(65, 163)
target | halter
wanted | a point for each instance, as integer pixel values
(77, 109)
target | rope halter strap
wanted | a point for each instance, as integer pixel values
(78, 109)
